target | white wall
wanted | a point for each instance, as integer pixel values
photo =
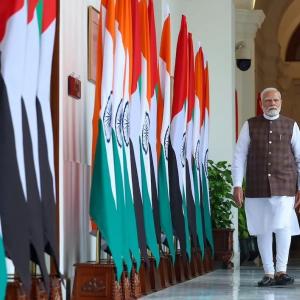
(74, 138)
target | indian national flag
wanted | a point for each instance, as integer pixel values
(145, 134)
(190, 195)
(117, 122)
(204, 157)
(177, 146)
(97, 102)
(154, 79)
(199, 88)
(104, 208)
(135, 121)
(3, 275)
(163, 130)
(131, 224)
(13, 27)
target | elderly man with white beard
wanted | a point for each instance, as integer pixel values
(268, 154)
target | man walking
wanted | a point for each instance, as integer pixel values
(268, 149)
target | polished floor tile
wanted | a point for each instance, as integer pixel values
(230, 285)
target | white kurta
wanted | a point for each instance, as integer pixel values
(266, 214)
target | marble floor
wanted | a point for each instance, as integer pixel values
(230, 285)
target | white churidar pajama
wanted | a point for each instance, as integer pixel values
(267, 215)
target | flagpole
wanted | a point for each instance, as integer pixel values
(98, 246)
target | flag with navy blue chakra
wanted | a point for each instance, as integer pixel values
(190, 192)
(177, 146)
(134, 118)
(163, 131)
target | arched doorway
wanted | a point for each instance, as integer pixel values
(278, 61)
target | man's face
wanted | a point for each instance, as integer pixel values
(271, 103)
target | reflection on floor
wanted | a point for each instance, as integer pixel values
(231, 285)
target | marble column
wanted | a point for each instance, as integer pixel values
(247, 23)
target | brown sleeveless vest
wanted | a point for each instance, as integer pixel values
(271, 166)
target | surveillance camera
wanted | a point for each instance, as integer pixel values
(243, 63)
(243, 56)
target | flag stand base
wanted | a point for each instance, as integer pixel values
(135, 287)
(193, 263)
(55, 288)
(145, 279)
(164, 272)
(200, 266)
(171, 270)
(208, 261)
(15, 290)
(38, 291)
(126, 286)
(154, 275)
(96, 281)
(179, 268)
(187, 268)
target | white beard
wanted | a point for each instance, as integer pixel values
(273, 112)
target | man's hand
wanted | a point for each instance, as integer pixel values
(297, 202)
(238, 196)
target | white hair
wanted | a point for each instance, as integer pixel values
(269, 89)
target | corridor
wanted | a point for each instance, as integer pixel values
(230, 285)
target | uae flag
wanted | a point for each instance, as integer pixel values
(131, 224)
(30, 137)
(134, 121)
(3, 275)
(117, 124)
(199, 89)
(153, 118)
(163, 131)
(177, 146)
(13, 206)
(190, 195)
(145, 133)
(45, 132)
(204, 157)
(103, 201)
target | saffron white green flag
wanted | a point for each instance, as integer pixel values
(163, 130)
(199, 88)
(103, 202)
(144, 135)
(117, 124)
(134, 128)
(154, 79)
(131, 224)
(190, 195)
(177, 147)
(204, 158)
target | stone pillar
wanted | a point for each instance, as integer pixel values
(247, 23)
